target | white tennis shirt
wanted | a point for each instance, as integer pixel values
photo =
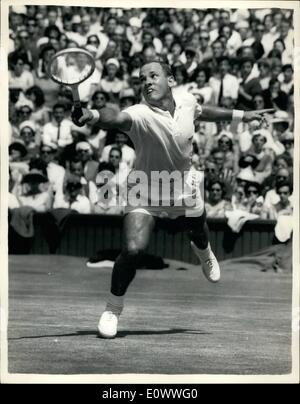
(164, 143)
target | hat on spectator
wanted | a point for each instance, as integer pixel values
(280, 116)
(135, 74)
(225, 133)
(119, 30)
(261, 132)
(287, 136)
(247, 174)
(242, 24)
(19, 10)
(18, 145)
(127, 93)
(91, 48)
(24, 102)
(51, 145)
(76, 19)
(84, 146)
(113, 61)
(81, 129)
(34, 175)
(190, 49)
(27, 124)
(135, 22)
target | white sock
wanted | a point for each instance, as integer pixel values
(115, 303)
(202, 254)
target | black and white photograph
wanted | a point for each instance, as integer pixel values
(149, 192)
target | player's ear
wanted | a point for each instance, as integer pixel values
(171, 81)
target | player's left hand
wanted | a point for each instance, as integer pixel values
(259, 115)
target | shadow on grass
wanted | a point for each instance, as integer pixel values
(121, 334)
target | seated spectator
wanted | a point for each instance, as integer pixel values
(259, 101)
(255, 201)
(13, 201)
(109, 199)
(176, 52)
(30, 137)
(223, 83)
(204, 137)
(200, 85)
(181, 79)
(55, 172)
(258, 157)
(275, 97)
(84, 152)
(287, 139)
(127, 98)
(35, 192)
(264, 73)
(58, 131)
(286, 79)
(18, 77)
(128, 154)
(190, 64)
(18, 166)
(225, 144)
(216, 205)
(238, 199)
(280, 124)
(110, 82)
(24, 109)
(40, 114)
(249, 85)
(41, 78)
(218, 157)
(121, 169)
(72, 197)
(284, 205)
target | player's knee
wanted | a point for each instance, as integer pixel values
(133, 251)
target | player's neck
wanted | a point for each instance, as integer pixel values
(168, 104)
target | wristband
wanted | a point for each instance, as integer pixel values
(96, 116)
(237, 115)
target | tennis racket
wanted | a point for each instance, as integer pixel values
(70, 67)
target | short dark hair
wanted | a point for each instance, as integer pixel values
(115, 148)
(285, 183)
(165, 66)
(59, 105)
(287, 66)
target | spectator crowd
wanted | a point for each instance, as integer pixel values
(234, 58)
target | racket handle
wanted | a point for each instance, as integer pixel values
(77, 114)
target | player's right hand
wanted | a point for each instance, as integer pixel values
(85, 117)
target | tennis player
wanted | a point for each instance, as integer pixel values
(161, 128)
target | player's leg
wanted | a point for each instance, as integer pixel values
(199, 236)
(137, 229)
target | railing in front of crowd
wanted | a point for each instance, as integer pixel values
(83, 235)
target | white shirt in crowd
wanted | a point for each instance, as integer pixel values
(128, 154)
(230, 86)
(81, 204)
(60, 135)
(56, 175)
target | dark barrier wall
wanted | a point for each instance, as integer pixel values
(83, 235)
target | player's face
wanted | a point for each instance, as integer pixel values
(155, 83)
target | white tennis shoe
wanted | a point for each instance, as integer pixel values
(108, 324)
(209, 263)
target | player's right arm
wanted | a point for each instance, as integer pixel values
(107, 118)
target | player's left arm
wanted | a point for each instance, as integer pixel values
(217, 114)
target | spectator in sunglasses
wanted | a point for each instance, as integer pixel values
(216, 205)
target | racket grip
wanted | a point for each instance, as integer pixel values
(76, 115)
